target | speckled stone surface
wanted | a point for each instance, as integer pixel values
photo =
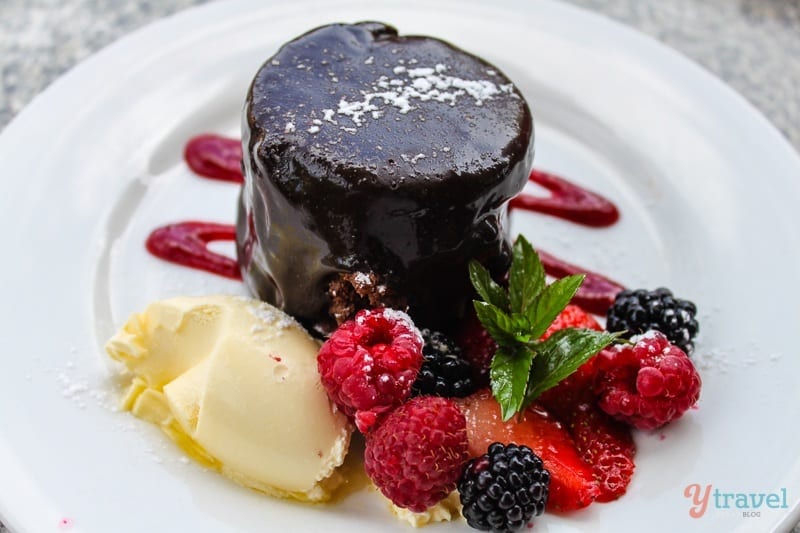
(753, 45)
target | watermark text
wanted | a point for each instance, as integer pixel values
(749, 503)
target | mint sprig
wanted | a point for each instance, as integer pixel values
(509, 379)
(561, 355)
(524, 366)
(526, 276)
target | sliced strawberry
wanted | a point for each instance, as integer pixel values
(602, 442)
(572, 484)
(606, 445)
(563, 399)
(572, 317)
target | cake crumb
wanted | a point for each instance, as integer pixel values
(350, 292)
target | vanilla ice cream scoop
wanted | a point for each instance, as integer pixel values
(234, 382)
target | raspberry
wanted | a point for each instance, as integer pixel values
(477, 346)
(641, 310)
(369, 364)
(416, 454)
(607, 446)
(504, 488)
(444, 371)
(648, 384)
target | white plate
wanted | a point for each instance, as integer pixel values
(708, 191)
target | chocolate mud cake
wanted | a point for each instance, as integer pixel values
(376, 166)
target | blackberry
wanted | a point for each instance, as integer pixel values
(444, 371)
(639, 311)
(503, 489)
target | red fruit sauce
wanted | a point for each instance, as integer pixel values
(185, 243)
(597, 292)
(215, 157)
(568, 201)
(219, 158)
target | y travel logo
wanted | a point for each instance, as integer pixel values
(749, 504)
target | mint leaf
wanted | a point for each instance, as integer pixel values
(509, 375)
(487, 288)
(500, 326)
(553, 299)
(523, 367)
(526, 277)
(561, 355)
(522, 328)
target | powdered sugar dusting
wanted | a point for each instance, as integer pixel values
(270, 316)
(79, 390)
(396, 315)
(412, 159)
(413, 87)
(712, 359)
(328, 114)
(70, 388)
(647, 335)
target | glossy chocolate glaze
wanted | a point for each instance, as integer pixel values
(366, 151)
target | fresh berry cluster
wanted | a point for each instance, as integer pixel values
(647, 384)
(430, 427)
(636, 312)
(444, 371)
(581, 428)
(417, 449)
(369, 364)
(504, 488)
(572, 485)
(416, 454)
